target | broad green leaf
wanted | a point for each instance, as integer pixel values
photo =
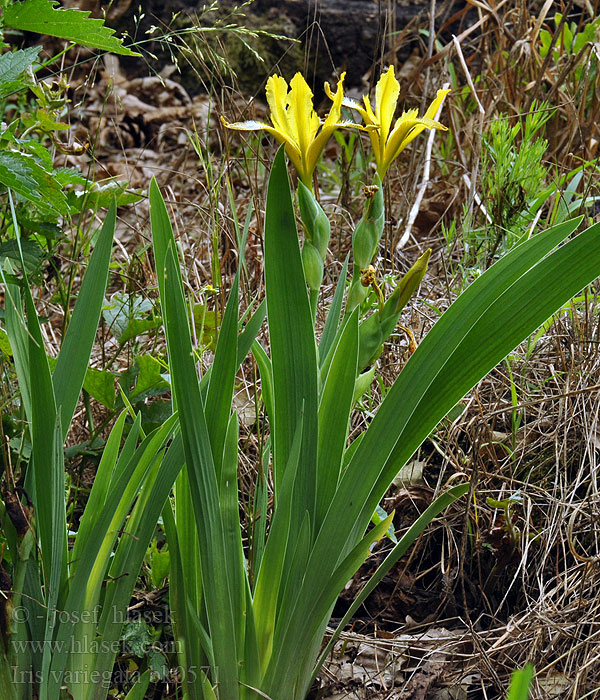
(131, 551)
(76, 348)
(232, 535)
(42, 17)
(281, 676)
(203, 482)
(492, 316)
(270, 574)
(266, 376)
(206, 322)
(222, 378)
(293, 349)
(101, 385)
(436, 376)
(138, 692)
(139, 326)
(122, 313)
(149, 376)
(5, 343)
(333, 315)
(334, 414)
(101, 485)
(98, 196)
(86, 584)
(180, 596)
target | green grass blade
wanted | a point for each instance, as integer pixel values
(74, 356)
(188, 653)
(520, 684)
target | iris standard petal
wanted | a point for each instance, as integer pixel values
(277, 90)
(386, 101)
(336, 108)
(433, 108)
(303, 120)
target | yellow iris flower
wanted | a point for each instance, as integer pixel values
(295, 122)
(388, 143)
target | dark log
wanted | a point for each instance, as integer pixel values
(333, 35)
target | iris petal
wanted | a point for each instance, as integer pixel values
(303, 120)
(277, 89)
(336, 109)
(386, 100)
(295, 122)
(405, 130)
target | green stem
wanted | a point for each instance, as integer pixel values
(314, 298)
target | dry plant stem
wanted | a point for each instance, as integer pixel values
(423, 187)
(476, 197)
(477, 145)
(534, 94)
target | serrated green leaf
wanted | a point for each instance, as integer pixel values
(70, 176)
(43, 17)
(46, 122)
(32, 253)
(12, 65)
(49, 230)
(136, 637)
(29, 180)
(206, 321)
